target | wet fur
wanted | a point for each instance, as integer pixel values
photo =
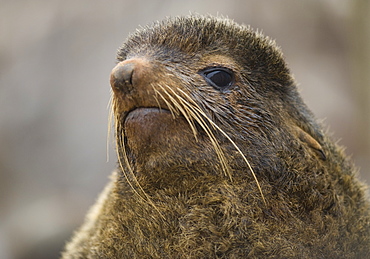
(251, 174)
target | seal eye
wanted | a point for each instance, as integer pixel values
(219, 78)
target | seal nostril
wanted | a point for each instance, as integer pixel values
(127, 71)
(121, 76)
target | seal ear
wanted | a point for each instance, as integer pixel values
(310, 141)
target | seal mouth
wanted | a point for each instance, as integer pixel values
(142, 112)
(151, 131)
(147, 124)
(146, 119)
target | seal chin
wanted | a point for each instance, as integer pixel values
(149, 130)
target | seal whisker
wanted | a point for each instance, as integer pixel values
(179, 109)
(121, 146)
(200, 111)
(110, 123)
(170, 106)
(195, 114)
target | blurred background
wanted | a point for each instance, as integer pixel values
(55, 60)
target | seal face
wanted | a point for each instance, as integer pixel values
(218, 155)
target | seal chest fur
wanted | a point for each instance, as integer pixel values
(218, 156)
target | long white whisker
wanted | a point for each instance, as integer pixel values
(201, 122)
(121, 146)
(182, 111)
(196, 107)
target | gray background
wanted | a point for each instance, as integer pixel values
(55, 60)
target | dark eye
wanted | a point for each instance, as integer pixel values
(219, 78)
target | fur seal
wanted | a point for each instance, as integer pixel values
(218, 156)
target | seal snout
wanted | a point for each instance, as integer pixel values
(125, 75)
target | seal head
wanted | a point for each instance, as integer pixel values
(218, 156)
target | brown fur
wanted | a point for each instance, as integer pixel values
(239, 172)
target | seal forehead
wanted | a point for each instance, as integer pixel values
(187, 37)
(188, 34)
